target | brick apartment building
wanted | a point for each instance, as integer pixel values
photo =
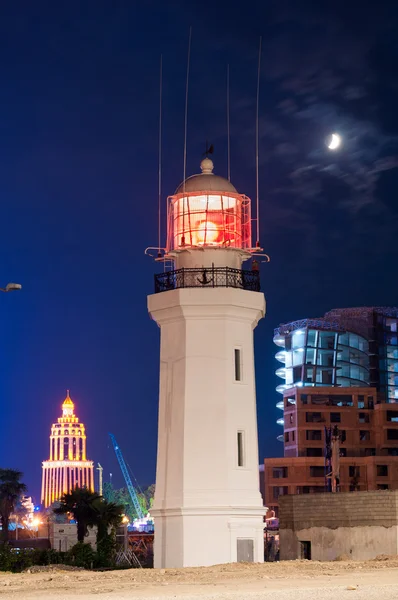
(368, 431)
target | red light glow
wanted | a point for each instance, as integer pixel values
(207, 232)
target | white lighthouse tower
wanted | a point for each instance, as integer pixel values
(208, 509)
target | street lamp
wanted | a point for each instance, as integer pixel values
(36, 523)
(11, 287)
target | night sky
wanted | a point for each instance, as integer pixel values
(79, 101)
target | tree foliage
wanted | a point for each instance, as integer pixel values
(122, 496)
(11, 490)
(78, 503)
(106, 515)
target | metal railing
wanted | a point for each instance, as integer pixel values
(320, 323)
(210, 277)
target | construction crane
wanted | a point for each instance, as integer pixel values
(127, 478)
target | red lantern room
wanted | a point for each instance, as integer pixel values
(207, 211)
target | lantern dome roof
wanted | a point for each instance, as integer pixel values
(206, 181)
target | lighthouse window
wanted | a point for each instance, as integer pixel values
(241, 457)
(238, 366)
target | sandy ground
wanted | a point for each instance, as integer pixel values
(297, 580)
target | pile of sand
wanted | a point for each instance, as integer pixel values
(57, 581)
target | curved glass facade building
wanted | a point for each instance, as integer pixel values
(347, 347)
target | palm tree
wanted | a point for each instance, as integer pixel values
(11, 489)
(107, 515)
(79, 503)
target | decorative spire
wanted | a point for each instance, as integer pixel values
(67, 405)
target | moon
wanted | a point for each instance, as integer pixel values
(334, 141)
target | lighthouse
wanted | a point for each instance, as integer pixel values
(208, 508)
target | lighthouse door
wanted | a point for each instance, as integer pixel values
(245, 550)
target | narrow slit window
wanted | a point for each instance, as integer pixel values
(241, 457)
(238, 368)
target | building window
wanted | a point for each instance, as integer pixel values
(304, 399)
(317, 472)
(314, 417)
(370, 402)
(310, 489)
(392, 434)
(392, 416)
(343, 451)
(241, 454)
(293, 436)
(279, 472)
(370, 451)
(324, 376)
(287, 436)
(313, 435)
(353, 471)
(382, 470)
(319, 400)
(361, 401)
(311, 337)
(363, 417)
(309, 375)
(392, 451)
(313, 452)
(382, 486)
(291, 418)
(238, 365)
(335, 417)
(296, 374)
(340, 400)
(364, 436)
(279, 491)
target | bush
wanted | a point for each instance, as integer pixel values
(14, 559)
(105, 552)
(48, 557)
(81, 555)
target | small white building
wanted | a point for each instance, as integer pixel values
(64, 535)
(208, 508)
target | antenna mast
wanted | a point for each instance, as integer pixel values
(185, 133)
(100, 470)
(257, 127)
(228, 129)
(160, 151)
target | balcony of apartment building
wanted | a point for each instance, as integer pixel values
(368, 429)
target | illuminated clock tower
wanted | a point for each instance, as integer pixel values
(67, 466)
(208, 509)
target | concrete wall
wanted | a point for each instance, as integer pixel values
(358, 524)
